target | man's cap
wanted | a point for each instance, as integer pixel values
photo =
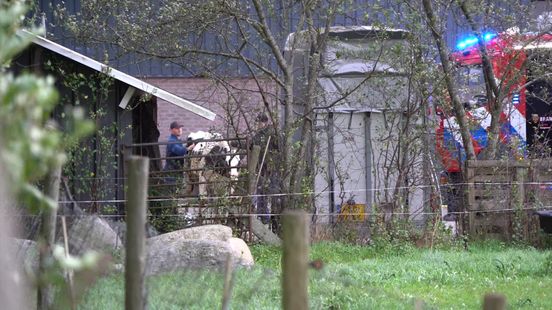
(176, 125)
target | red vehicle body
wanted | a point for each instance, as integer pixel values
(526, 119)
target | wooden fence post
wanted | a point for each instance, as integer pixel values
(138, 170)
(471, 170)
(68, 274)
(494, 301)
(228, 283)
(252, 163)
(520, 218)
(47, 238)
(521, 176)
(419, 304)
(295, 260)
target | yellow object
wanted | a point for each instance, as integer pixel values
(352, 212)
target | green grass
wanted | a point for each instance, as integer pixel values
(356, 277)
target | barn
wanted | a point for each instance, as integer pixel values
(123, 108)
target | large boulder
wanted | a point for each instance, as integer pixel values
(92, 233)
(195, 248)
(207, 232)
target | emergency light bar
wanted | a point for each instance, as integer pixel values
(472, 40)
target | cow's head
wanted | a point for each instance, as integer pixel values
(195, 141)
(201, 145)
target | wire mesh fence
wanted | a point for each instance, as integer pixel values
(201, 264)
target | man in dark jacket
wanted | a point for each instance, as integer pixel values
(164, 211)
(269, 178)
(175, 148)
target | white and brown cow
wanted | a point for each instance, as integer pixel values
(214, 167)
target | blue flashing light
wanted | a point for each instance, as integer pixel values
(472, 40)
(488, 36)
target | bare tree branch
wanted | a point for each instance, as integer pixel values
(447, 70)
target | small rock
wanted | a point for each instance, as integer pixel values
(241, 252)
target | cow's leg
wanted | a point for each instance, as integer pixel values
(231, 183)
(192, 178)
(202, 184)
(234, 162)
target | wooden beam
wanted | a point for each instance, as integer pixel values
(126, 98)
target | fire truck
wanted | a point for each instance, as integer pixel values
(519, 66)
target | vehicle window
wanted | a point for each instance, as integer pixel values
(471, 76)
(475, 76)
(471, 84)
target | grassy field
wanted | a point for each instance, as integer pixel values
(356, 277)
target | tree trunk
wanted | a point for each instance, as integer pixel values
(458, 108)
(493, 97)
(45, 293)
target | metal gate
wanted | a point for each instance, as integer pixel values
(198, 193)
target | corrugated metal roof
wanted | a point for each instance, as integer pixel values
(356, 14)
(121, 76)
